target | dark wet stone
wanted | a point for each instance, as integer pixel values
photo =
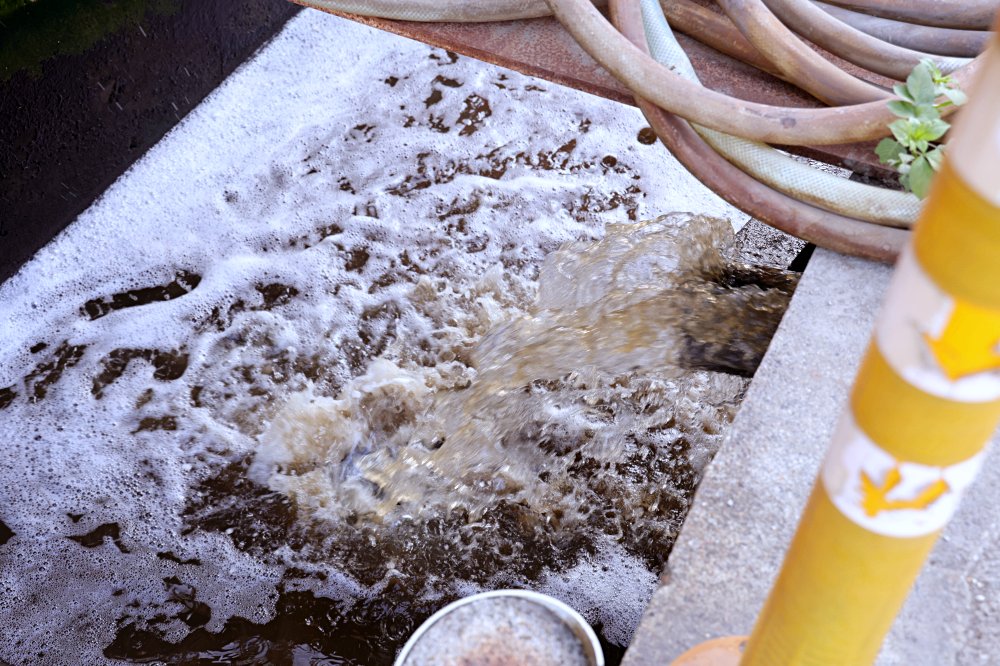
(646, 136)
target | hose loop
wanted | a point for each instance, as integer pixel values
(723, 140)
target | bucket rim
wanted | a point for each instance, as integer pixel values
(572, 619)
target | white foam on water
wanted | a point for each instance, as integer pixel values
(335, 214)
(610, 591)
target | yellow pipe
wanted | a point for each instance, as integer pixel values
(924, 405)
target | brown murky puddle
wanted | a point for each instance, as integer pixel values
(636, 501)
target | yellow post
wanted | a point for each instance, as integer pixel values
(924, 405)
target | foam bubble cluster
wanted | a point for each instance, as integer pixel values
(330, 234)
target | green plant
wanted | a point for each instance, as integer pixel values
(915, 149)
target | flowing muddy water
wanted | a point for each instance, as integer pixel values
(510, 413)
(303, 377)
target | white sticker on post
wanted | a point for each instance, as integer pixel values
(888, 496)
(943, 346)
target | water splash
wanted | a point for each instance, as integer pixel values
(604, 352)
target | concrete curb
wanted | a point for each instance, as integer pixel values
(748, 505)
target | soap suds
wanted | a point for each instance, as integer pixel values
(306, 220)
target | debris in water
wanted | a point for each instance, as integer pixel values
(638, 308)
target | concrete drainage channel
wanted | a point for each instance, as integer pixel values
(207, 589)
(760, 471)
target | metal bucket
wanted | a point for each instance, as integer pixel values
(433, 636)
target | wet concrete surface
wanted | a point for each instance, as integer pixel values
(87, 87)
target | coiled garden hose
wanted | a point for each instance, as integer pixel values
(715, 30)
(790, 126)
(800, 64)
(839, 195)
(852, 44)
(829, 230)
(722, 140)
(437, 11)
(963, 14)
(930, 39)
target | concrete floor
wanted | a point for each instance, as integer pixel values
(748, 505)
